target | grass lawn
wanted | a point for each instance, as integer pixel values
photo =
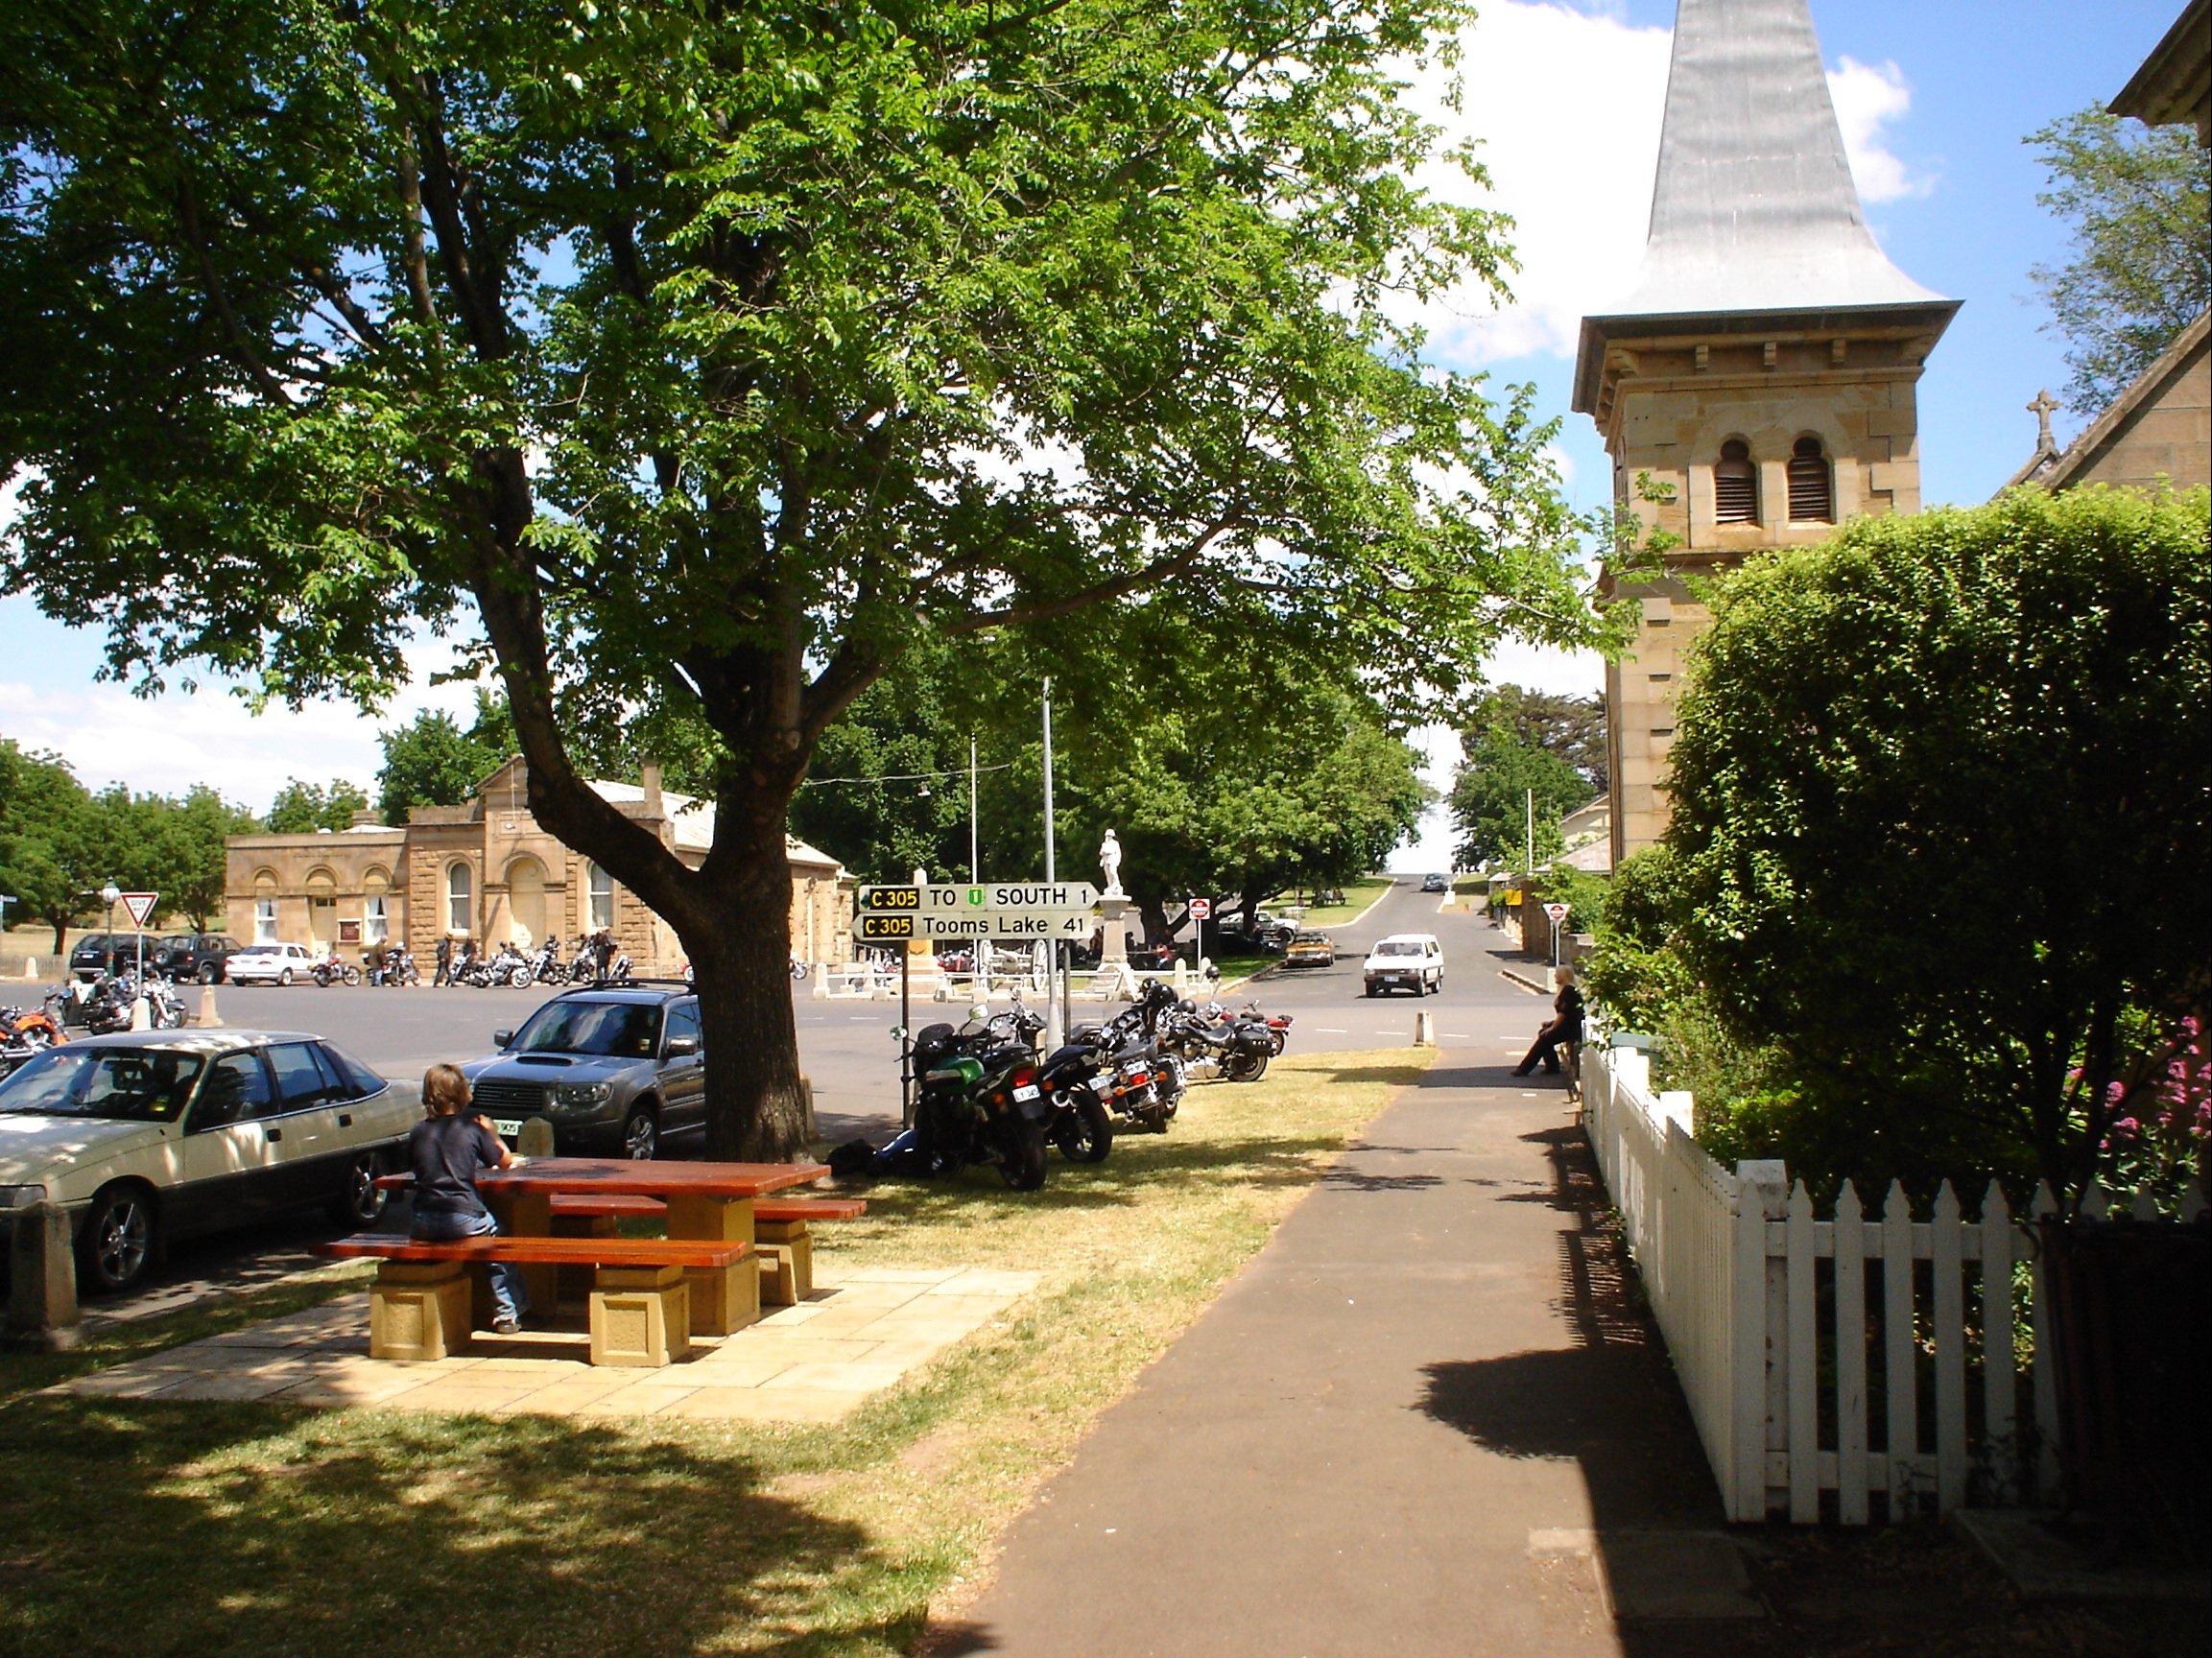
(1358, 896)
(257, 1530)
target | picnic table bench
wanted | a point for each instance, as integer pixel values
(781, 1239)
(420, 1306)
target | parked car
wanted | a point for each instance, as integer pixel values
(614, 1068)
(1436, 884)
(195, 956)
(1405, 962)
(1311, 950)
(270, 964)
(147, 1136)
(100, 953)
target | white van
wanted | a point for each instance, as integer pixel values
(1405, 962)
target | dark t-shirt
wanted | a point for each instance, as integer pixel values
(1569, 1008)
(447, 1154)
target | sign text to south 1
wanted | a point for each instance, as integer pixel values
(954, 900)
(1031, 924)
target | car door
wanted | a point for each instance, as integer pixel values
(312, 1147)
(682, 1080)
(231, 1164)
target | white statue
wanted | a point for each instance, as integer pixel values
(1109, 858)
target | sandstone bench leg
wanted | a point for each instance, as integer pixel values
(640, 1315)
(418, 1310)
(724, 1299)
(786, 1262)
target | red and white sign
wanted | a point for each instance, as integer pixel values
(1200, 909)
(140, 905)
(1557, 911)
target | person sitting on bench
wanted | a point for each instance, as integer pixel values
(1565, 1027)
(447, 1149)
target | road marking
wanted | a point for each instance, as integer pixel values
(1459, 1036)
(1332, 1030)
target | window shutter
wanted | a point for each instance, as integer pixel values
(1735, 485)
(1811, 495)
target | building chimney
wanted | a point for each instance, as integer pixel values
(648, 773)
(367, 818)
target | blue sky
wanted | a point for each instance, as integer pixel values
(1935, 98)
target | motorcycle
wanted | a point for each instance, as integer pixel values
(1234, 1049)
(979, 1103)
(509, 966)
(1142, 1082)
(331, 971)
(25, 1034)
(546, 968)
(395, 966)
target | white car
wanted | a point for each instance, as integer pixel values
(1405, 962)
(146, 1136)
(271, 964)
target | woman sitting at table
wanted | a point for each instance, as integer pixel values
(448, 1148)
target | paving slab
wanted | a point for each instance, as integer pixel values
(1358, 1447)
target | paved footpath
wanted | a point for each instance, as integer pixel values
(1425, 1421)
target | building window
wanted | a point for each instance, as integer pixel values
(264, 920)
(601, 890)
(375, 928)
(1735, 485)
(1812, 485)
(459, 911)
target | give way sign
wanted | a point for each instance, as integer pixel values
(1557, 911)
(140, 905)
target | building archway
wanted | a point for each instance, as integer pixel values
(322, 909)
(526, 913)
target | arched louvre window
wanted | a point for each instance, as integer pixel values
(1812, 485)
(1735, 485)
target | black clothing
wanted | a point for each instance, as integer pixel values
(1566, 1026)
(447, 1154)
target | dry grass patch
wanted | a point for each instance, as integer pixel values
(259, 1529)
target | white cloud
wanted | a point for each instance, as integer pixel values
(1567, 104)
(1868, 98)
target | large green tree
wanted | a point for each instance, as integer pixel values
(432, 760)
(1506, 773)
(1570, 727)
(2137, 202)
(706, 358)
(51, 858)
(1942, 811)
(301, 807)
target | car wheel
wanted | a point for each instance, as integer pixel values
(284, 977)
(117, 1244)
(361, 1204)
(208, 973)
(641, 1137)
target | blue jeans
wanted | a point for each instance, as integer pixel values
(509, 1298)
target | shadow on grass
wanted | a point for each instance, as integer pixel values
(253, 1531)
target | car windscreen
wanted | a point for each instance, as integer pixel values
(128, 1084)
(1310, 938)
(614, 1030)
(1397, 947)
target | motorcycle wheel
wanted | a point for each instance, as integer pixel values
(1084, 1134)
(520, 977)
(1021, 1154)
(1246, 1067)
(351, 975)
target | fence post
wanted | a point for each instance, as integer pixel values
(1851, 1503)
(1900, 1374)
(1999, 1385)
(1803, 1359)
(1759, 1194)
(1945, 1252)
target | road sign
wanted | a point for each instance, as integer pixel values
(140, 905)
(877, 928)
(1200, 909)
(1557, 911)
(983, 898)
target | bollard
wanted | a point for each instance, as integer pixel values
(1424, 1029)
(31, 967)
(41, 1280)
(535, 1139)
(806, 1103)
(821, 992)
(209, 1019)
(141, 1014)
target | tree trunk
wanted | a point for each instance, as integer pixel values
(61, 932)
(755, 1112)
(1154, 912)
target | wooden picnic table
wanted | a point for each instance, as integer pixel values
(708, 1201)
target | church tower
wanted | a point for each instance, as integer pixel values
(1761, 372)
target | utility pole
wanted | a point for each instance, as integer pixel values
(1052, 1024)
(1531, 800)
(974, 867)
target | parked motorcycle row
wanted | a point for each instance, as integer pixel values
(597, 961)
(987, 1096)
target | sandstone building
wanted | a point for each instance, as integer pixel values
(1758, 386)
(485, 870)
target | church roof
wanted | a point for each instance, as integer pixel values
(1753, 208)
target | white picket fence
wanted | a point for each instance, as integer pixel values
(1801, 1378)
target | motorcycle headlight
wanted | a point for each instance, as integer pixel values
(580, 1095)
(22, 1196)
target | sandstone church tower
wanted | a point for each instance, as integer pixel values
(1761, 372)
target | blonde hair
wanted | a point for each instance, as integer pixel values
(445, 1090)
(1566, 975)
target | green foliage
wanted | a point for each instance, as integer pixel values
(49, 852)
(1942, 806)
(700, 363)
(1503, 762)
(1582, 892)
(1570, 727)
(301, 808)
(2135, 199)
(431, 761)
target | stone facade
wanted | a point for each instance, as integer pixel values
(1666, 406)
(486, 869)
(2157, 432)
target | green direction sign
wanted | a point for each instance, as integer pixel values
(985, 898)
(879, 928)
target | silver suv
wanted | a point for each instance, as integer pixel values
(614, 1068)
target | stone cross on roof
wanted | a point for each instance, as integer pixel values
(1753, 207)
(2043, 408)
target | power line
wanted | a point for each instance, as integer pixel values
(908, 777)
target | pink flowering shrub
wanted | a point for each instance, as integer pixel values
(2158, 1128)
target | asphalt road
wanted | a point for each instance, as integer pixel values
(845, 1046)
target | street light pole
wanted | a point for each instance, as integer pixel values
(974, 866)
(1052, 1025)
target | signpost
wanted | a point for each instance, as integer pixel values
(880, 929)
(977, 898)
(1557, 913)
(1200, 909)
